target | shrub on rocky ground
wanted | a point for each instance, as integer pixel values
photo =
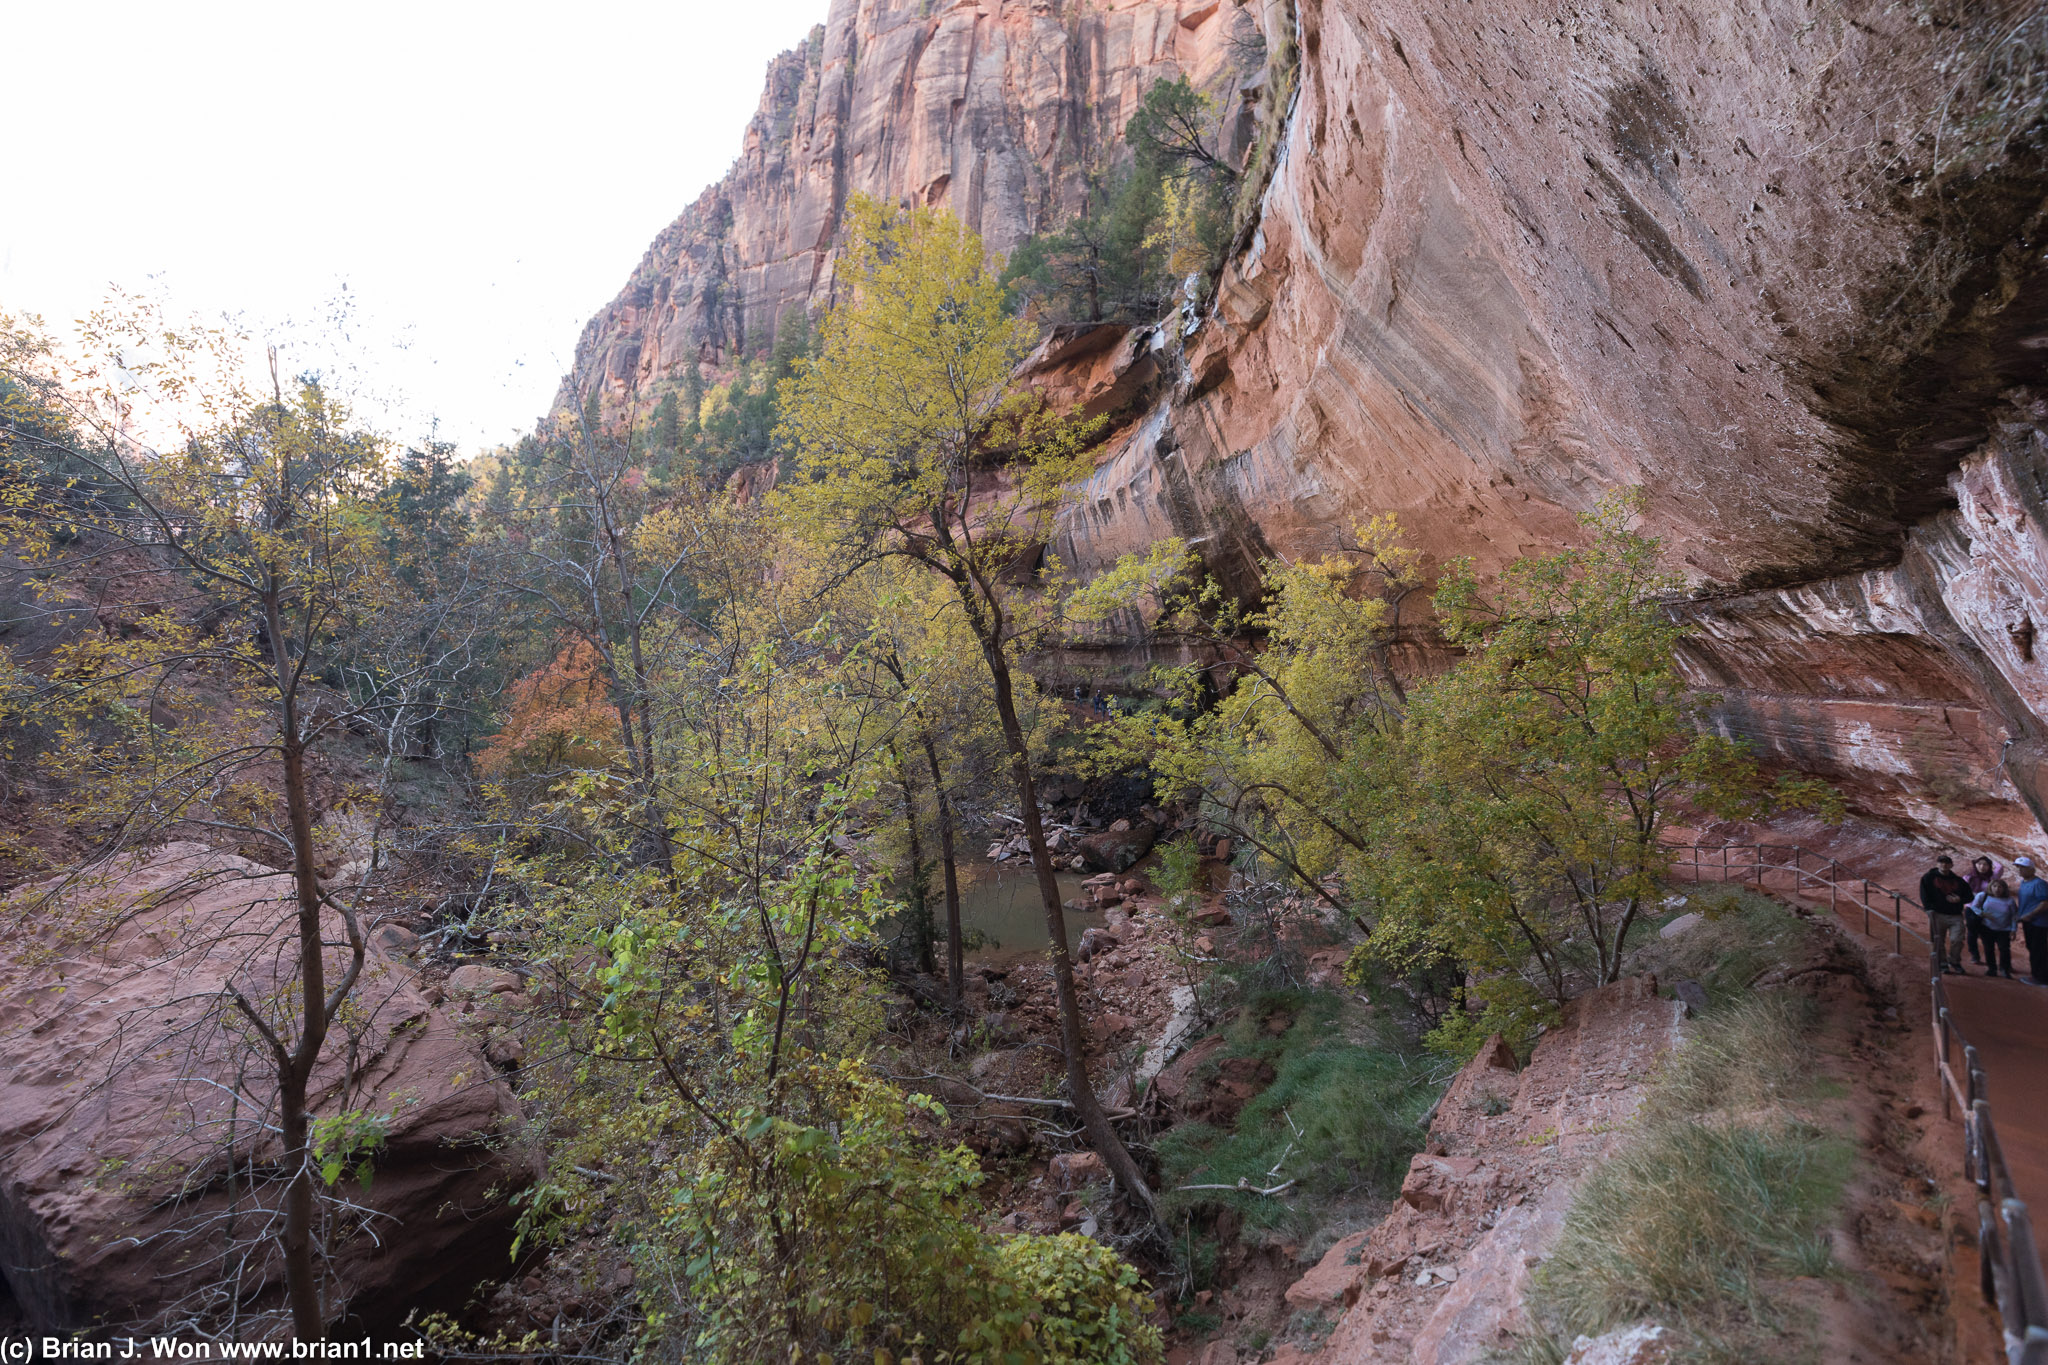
(1339, 1117)
(1063, 1300)
(1731, 937)
(1739, 936)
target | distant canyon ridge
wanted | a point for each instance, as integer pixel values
(1783, 268)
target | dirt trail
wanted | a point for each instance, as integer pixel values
(2007, 1022)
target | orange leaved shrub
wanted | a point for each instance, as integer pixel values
(562, 720)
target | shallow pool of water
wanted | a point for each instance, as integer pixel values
(1001, 901)
(1001, 913)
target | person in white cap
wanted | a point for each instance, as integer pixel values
(2032, 895)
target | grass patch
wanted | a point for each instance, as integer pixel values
(1752, 1057)
(1339, 1117)
(1725, 1191)
(1692, 1221)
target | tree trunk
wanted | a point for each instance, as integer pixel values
(301, 1275)
(652, 844)
(295, 1067)
(919, 897)
(956, 950)
(1101, 1136)
(654, 838)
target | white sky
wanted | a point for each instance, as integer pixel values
(480, 177)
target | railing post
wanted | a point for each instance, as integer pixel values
(1941, 1050)
(1971, 1148)
(2027, 1284)
(1982, 1148)
(1991, 1270)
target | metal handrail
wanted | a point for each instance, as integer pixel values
(2009, 1258)
(1828, 873)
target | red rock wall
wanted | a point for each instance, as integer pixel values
(992, 108)
(1780, 267)
(1911, 685)
(134, 1108)
(1513, 258)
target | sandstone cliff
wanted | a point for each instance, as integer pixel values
(1780, 269)
(992, 108)
(1783, 274)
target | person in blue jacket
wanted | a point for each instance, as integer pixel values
(2032, 897)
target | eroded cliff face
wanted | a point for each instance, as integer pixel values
(994, 109)
(1916, 686)
(1514, 258)
(1780, 268)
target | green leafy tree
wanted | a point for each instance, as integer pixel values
(930, 675)
(568, 556)
(710, 1011)
(1504, 819)
(1279, 730)
(665, 432)
(1545, 766)
(707, 1098)
(1174, 138)
(254, 618)
(914, 444)
(1143, 226)
(735, 423)
(1176, 124)
(1103, 264)
(427, 543)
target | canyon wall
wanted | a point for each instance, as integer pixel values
(1781, 268)
(995, 110)
(1511, 260)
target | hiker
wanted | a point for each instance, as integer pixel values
(1982, 874)
(1943, 895)
(2032, 896)
(1996, 908)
